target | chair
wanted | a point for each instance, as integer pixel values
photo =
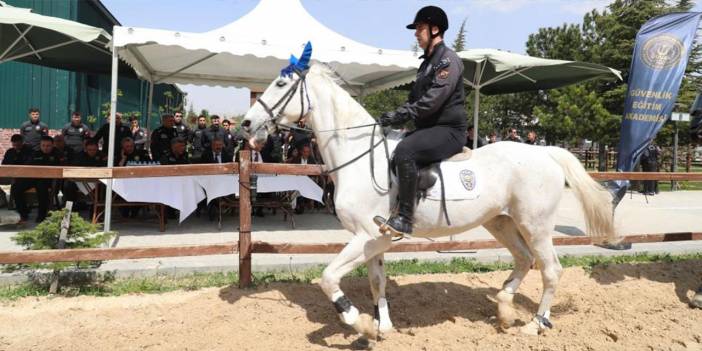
(280, 201)
(97, 195)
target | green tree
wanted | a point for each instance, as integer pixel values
(459, 43)
(576, 113)
(606, 37)
(383, 101)
(500, 112)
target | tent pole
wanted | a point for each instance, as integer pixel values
(148, 115)
(36, 52)
(12, 46)
(27, 41)
(476, 103)
(111, 148)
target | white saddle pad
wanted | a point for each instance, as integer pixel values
(463, 182)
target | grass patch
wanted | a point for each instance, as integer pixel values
(682, 185)
(108, 285)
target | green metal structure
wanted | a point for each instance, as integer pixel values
(57, 93)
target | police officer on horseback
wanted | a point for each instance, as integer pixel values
(435, 105)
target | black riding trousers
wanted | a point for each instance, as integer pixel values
(429, 145)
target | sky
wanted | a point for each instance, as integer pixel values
(500, 24)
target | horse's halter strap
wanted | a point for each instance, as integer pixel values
(284, 100)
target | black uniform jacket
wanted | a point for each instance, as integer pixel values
(437, 96)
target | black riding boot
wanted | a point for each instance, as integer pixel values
(401, 222)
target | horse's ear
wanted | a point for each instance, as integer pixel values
(304, 62)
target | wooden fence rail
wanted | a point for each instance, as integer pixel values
(244, 245)
(259, 247)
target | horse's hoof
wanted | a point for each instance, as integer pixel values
(383, 328)
(366, 327)
(696, 301)
(505, 312)
(362, 343)
(506, 315)
(536, 326)
(532, 329)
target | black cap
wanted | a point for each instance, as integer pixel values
(431, 15)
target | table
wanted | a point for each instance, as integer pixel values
(184, 193)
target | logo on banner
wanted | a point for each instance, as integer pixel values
(662, 51)
(467, 179)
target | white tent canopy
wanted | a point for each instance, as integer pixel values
(49, 41)
(251, 51)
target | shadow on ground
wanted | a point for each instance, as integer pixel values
(412, 306)
(685, 275)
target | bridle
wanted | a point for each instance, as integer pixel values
(301, 85)
(284, 100)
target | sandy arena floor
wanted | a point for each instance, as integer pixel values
(621, 307)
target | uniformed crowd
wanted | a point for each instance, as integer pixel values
(172, 143)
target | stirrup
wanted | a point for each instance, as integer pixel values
(385, 229)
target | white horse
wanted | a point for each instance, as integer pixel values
(518, 201)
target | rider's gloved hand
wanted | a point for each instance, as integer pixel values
(392, 118)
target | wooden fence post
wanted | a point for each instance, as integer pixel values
(65, 225)
(244, 218)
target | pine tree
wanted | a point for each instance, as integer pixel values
(684, 5)
(45, 236)
(459, 44)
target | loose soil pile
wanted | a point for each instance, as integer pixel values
(619, 307)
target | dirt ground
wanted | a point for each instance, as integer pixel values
(620, 307)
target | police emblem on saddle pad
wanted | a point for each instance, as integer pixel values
(467, 179)
(462, 182)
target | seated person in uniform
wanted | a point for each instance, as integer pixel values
(304, 156)
(46, 156)
(131, 154)
(20, 152)
(89, 157)
(218, 154)
(64, 151)
(177, 156)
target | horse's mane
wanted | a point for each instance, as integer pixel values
(347, 110)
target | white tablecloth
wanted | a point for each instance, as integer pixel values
(184, 193)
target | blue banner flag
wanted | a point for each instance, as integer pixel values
(660, 57)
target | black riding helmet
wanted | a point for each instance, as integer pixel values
(433, 16)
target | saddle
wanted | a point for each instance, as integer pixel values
(427, 177)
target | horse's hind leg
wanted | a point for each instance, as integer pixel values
(505, 231)
(360, 249)
(376, 275)
(541, 243)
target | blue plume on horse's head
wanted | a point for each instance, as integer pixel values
(301, 64)
(304, 62)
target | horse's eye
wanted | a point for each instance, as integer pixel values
(280, 83)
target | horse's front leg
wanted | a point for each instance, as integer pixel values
(376, 275)
(358, 251)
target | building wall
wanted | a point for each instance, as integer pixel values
(57, 93)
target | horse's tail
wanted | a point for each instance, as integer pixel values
(595, 200)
